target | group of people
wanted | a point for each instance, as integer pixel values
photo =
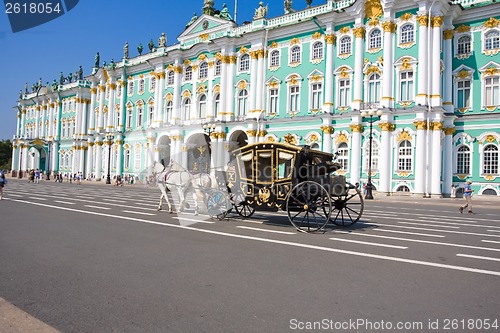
(3, 182)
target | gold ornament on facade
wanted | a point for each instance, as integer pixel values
(273, 45)
(491, 23)
(436, 125)
(373, 9)
(387, 127)
(437, 21)
(213, 135)
(204, 37)
(312, 138)
(491, 108)
(293, 79)
(217, 89)
(270, 138)
(343, 73)
(330, 39)
(211, 64)
(489, 177)
(233, 59)
(242, 85)
(423, 20)
(403, 174)
(342, 138)
(290, 139)
(389, 26)
(261, 133)
(403, 136)
(420, 124)
(187, 62)
(186, 94)
(373, 22)
(93, 90)
(316, 78)
(251, 133)
(357, 128)
(195, 68)
(317, 35)
(243, 50)
(101, 88)
(373, 69)
(448, 34)
(359, 32)
(406, 65)
(294, 41)
(254, 55)
(449, 130)
(490, 71)
(490, 138)
(463, 74)
(273, 84)
(463, 28)
(344, 30)
(326, 129)
(406, 17)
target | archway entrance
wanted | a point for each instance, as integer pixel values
(199, 153)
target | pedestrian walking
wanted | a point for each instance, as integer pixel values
(3, 182)
(37, 176)
(468, 198)
(453, 193)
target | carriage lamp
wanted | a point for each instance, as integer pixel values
(373, 116)
(110, 138)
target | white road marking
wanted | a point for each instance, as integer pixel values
(97, 207)
(490, 241)
(274, 241)
(428, 225)
(369, 243)
(192, 220)
(477, 257)
(436, 230)
(267, 230)
(64, 202)
(421, 241)
(38, 198)
(409, 233)
(140, 213)
(493, 230)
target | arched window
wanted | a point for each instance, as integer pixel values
(407, 86)
(130, 88)
(202, 106)
(188, 73)
(344, 91)
(375, 39)
(130, 114)
(317, 51)
(492, 90)
(170, 78)
(242, 102)
(316, 96)
(295, 54)
(490, 159)
(343, 155)
(218, 67)
(463, 160)
(203, 70)
(275, 59)
(492, 40)
(216, 104)
(405, 153)
(464, 45)
(463, 93)
(152, 83)
(169, 106)
(345, 45)
(407, 33)
(374, 83)
(151, 114)
(244, 63)
(140, 88)
(126, 159)
(186, 107)
(140, 115)
(375, 155)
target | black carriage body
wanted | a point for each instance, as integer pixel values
(265, 173)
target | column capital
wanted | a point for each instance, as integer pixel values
(449, 130)
(330, 39)
(389, 26)
(423, 20)
(420, 124)
(387, 126)
(448, 34)
(437, 21)
(327, 129)
(356, 128)
(359, 32)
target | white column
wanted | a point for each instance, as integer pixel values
(110, 127)
(214, 151)
(194, 97)
(18, 124)
(223, 88)
(210, 92)
(260, 105)
(448, 77)
(81, 157)
(90, 157)
(385, 157)
(85, 113)
(423, 61)
(436, 61)
(388, 74)
(327, 136)
(50, 133)
(55, 156)
(420, 157)
(119, 155)
(98, 158)
(230, 88)
(57, 115)
(123, 109)
(43, 132)
(221, 137)
(23, 123)
(330, 59)
(254, 92)
(100, 121)
(359, 33)
(78, 116)
(15, 159)
(93, 98)
(355, 171)
(37, 120)
(436, 158)
(159, 99)
(176, 112)
(448, 159)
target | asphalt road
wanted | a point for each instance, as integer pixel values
(95, 258)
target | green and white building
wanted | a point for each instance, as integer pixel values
(431, 69)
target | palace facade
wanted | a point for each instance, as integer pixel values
(418, 79)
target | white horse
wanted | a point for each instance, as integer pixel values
(172, 177)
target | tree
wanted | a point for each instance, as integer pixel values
(5, 154)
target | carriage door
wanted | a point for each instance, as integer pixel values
(164, 150)
(199, 154)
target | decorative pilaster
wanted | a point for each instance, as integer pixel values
(260, 81)
(355, 152)
(420, 157)
(436, 159)
(102, 94)
(385, 155)
(448, 76)
(254, 92)
(387, 100)
(93, 98)
(98, 158)
(329, 78)
(176, 112)
(423, 58)
(327, 130)
(110, 127)
(359, 33)
(436, 61)
(448, 159)
(230, 84)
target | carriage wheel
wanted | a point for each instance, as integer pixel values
(348, 207)
(218, 205)
(241, 205)
(309, 206)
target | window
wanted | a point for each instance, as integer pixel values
(316, 96)
(170, 78)
(492, 90)
(294, 99)
(407, 34)
(202, 106)
(375, 154)
(152, 83)
(119, 91)
(464, 45)
(218, 67)
(345, 45)
(242, 102)
(317, 51)
(140, 115)
(492, 40)
(186, 109)
(344, 92)
(343, 155)
(137, 157)
(126, 159)
(463, 160)
(463, 94)
(203, 70)
(375, 39)
(295, 54)
(374, 88)
(130, 88)
(407, 90)
(169, 106)
(273, 101)
(188, 74)
(140, 88)
(129, 118)
(216, 104)
(151, 114)
(490, 159)
(275, 58)
(244, 63)
(404, 156)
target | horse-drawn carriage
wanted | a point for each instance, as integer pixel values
(275, 176)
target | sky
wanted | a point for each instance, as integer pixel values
(73, 39)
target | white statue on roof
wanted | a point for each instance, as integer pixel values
(260, 12)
